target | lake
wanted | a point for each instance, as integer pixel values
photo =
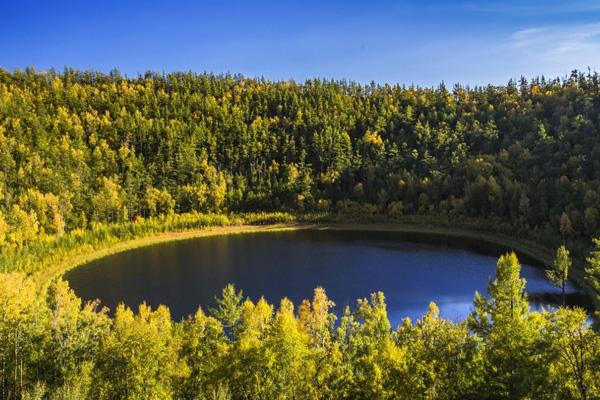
(411, 269)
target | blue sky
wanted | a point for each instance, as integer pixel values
(421, 42)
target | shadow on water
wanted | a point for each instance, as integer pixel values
(394, 239)
(573, 299)
(412, 269)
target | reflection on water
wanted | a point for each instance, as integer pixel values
(410, 269)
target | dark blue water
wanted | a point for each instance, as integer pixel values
(410, 269)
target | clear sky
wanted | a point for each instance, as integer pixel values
(421, 42)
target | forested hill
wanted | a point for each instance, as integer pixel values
(77, 147)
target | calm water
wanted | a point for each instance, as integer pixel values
(411, 269)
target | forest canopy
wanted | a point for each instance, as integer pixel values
(80, 147)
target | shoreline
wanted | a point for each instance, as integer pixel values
(44, 277)
(529, 249)
(540, 254)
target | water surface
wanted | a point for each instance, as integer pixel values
(411, 269)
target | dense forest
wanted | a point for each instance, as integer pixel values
(88, 159)
(83, 147)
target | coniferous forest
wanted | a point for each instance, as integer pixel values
(82, 147)
(90, 159)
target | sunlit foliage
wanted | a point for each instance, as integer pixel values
(59, 348)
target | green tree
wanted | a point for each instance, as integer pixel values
(591, 220)
(288, 351)
(317, 320)
(249, 366)
(75, 332)
(514, 366)
(204, 350)
(24, 226)
(566, 227)
(441, 356)
(22, 317)
(3, 230)
(378, 366)
(577, 348)
(229, 307)
(592, 270)
(559, 272)
(108, 201)
(139, 358)
(158, 202)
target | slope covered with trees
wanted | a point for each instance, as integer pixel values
(87, 159)
(82, 147)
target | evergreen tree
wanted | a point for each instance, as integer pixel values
(514, 365)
